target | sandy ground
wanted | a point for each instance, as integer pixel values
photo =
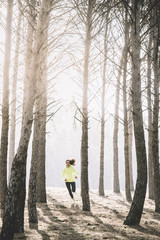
(59, 221)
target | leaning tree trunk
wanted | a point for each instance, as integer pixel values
(116, 186)
(27, 85)
(16, 192)
(136, 209)
(14, 100)
(155, 137)
(126, 138)
(101, 176)
(84, 142)
(5, 107)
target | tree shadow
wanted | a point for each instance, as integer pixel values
(99, 226)
(109, 229)
(64, 229)
(155, 215)
(18, 236)
(148, 230)
(118, 215)
(126, 204)
(61, 227)
(44, 235)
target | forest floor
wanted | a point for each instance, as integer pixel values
(59, 221)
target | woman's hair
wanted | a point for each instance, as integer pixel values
(72, 162)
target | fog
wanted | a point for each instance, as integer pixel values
(64, 140)
(63, 137)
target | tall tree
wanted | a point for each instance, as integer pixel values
(37, 186)
(32, 181)
(16, 192)
(101, 176)
(149, 105)
(135, 213)
(155, 135)
(41, 174)
(14, 89)
(125, 110)
(42, 108)
(27, 84)
(5, 106)
(84, 142)
(116, 185)
(130, 132)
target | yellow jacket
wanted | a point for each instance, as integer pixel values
(69, 173)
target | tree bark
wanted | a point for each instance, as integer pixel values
(149, 105)
(130, 132)
(37, 186)
(125, 118)
(84, 142)
(16, 192)
(136, 209)
(101, 176)
(5, 107)
(116, 185)
(14, 100)
(42, 102)
(32, 196)
(41, 176)
(27, 86)
(155, 137)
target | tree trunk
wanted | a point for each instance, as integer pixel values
(5, 107)
(84, 142)
(41, 177)
(116, 186)
(126, 135)
(149, 105)
(130, 132)
(32, 196)
(16, 192)
(41, 174)
(37, 186)
(136, 209)
(14, 88)
(27, 85)
(101, 176)
(155, 137)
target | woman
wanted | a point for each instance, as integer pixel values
(69, 174)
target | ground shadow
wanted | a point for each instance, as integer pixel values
(99, 226)
(60, 218)
(20, 236)
(44, 235)
(148, 230)
(61, 227)
(118, 215)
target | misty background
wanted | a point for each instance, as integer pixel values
(63, 139)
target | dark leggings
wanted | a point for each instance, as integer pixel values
(69, 185)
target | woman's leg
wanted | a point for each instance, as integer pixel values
(68, 185)
(73, 186)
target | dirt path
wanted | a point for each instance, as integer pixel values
(58, 221)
